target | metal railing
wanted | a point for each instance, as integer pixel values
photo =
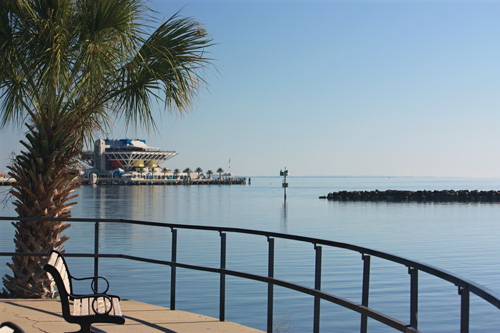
(465, 287)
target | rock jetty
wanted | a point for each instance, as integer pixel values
(415, 196)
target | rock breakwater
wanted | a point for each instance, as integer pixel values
(418, 196)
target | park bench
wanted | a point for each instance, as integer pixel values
(8, 327)
(87, 309)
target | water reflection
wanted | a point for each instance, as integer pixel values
(462, 238)
(284, 218)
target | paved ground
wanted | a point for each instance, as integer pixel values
(37, 315)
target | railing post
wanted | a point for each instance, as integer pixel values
(173, 270)
(366, 291)
(317, 286)
(222, 302)
(413, 297)
(464, 309)
(96, 253)
(270, 286)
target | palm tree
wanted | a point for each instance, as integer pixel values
(165, 170)
(198, 170)
(188, 171)
(67, 70)
(210, 173)
(220, 171)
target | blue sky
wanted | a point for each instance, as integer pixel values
(381, 88)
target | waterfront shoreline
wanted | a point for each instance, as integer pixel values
(142, 181)
(185, 181)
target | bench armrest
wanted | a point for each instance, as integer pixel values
(92, 285)
(77, 296)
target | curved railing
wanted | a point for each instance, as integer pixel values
(465, 287)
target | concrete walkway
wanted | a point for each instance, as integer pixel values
(39, 315)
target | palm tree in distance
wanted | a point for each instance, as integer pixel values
(188, 171)
(165, 170)
(220, 171)
(67, 70)
(198, 170)
(210, 173)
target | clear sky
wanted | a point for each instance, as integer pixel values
(360, 87)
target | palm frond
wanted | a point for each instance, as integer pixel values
(167, 67)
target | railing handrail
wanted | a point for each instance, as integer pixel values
(474, 287)
(462, 283)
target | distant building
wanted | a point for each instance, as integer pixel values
(126, 154)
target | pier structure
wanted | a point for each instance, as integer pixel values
(124, 155)
(166, 181)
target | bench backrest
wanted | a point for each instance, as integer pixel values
(58, 268)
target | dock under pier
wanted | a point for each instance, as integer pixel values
(142, 181)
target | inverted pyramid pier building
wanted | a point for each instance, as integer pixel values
(126, 154)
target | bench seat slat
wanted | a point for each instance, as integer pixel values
(86, 307)
(83, 306)
(116, 306)
(53, 258)
(61, 268)
(77, 308)
(100, 305)
(60, 265)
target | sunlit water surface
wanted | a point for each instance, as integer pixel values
(462, 238)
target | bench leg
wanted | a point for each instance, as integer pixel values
(85, 328)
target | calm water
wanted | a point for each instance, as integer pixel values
(461, 238)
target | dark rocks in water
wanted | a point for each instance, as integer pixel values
(418, 196)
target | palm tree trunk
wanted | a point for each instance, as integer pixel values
(44, 184)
